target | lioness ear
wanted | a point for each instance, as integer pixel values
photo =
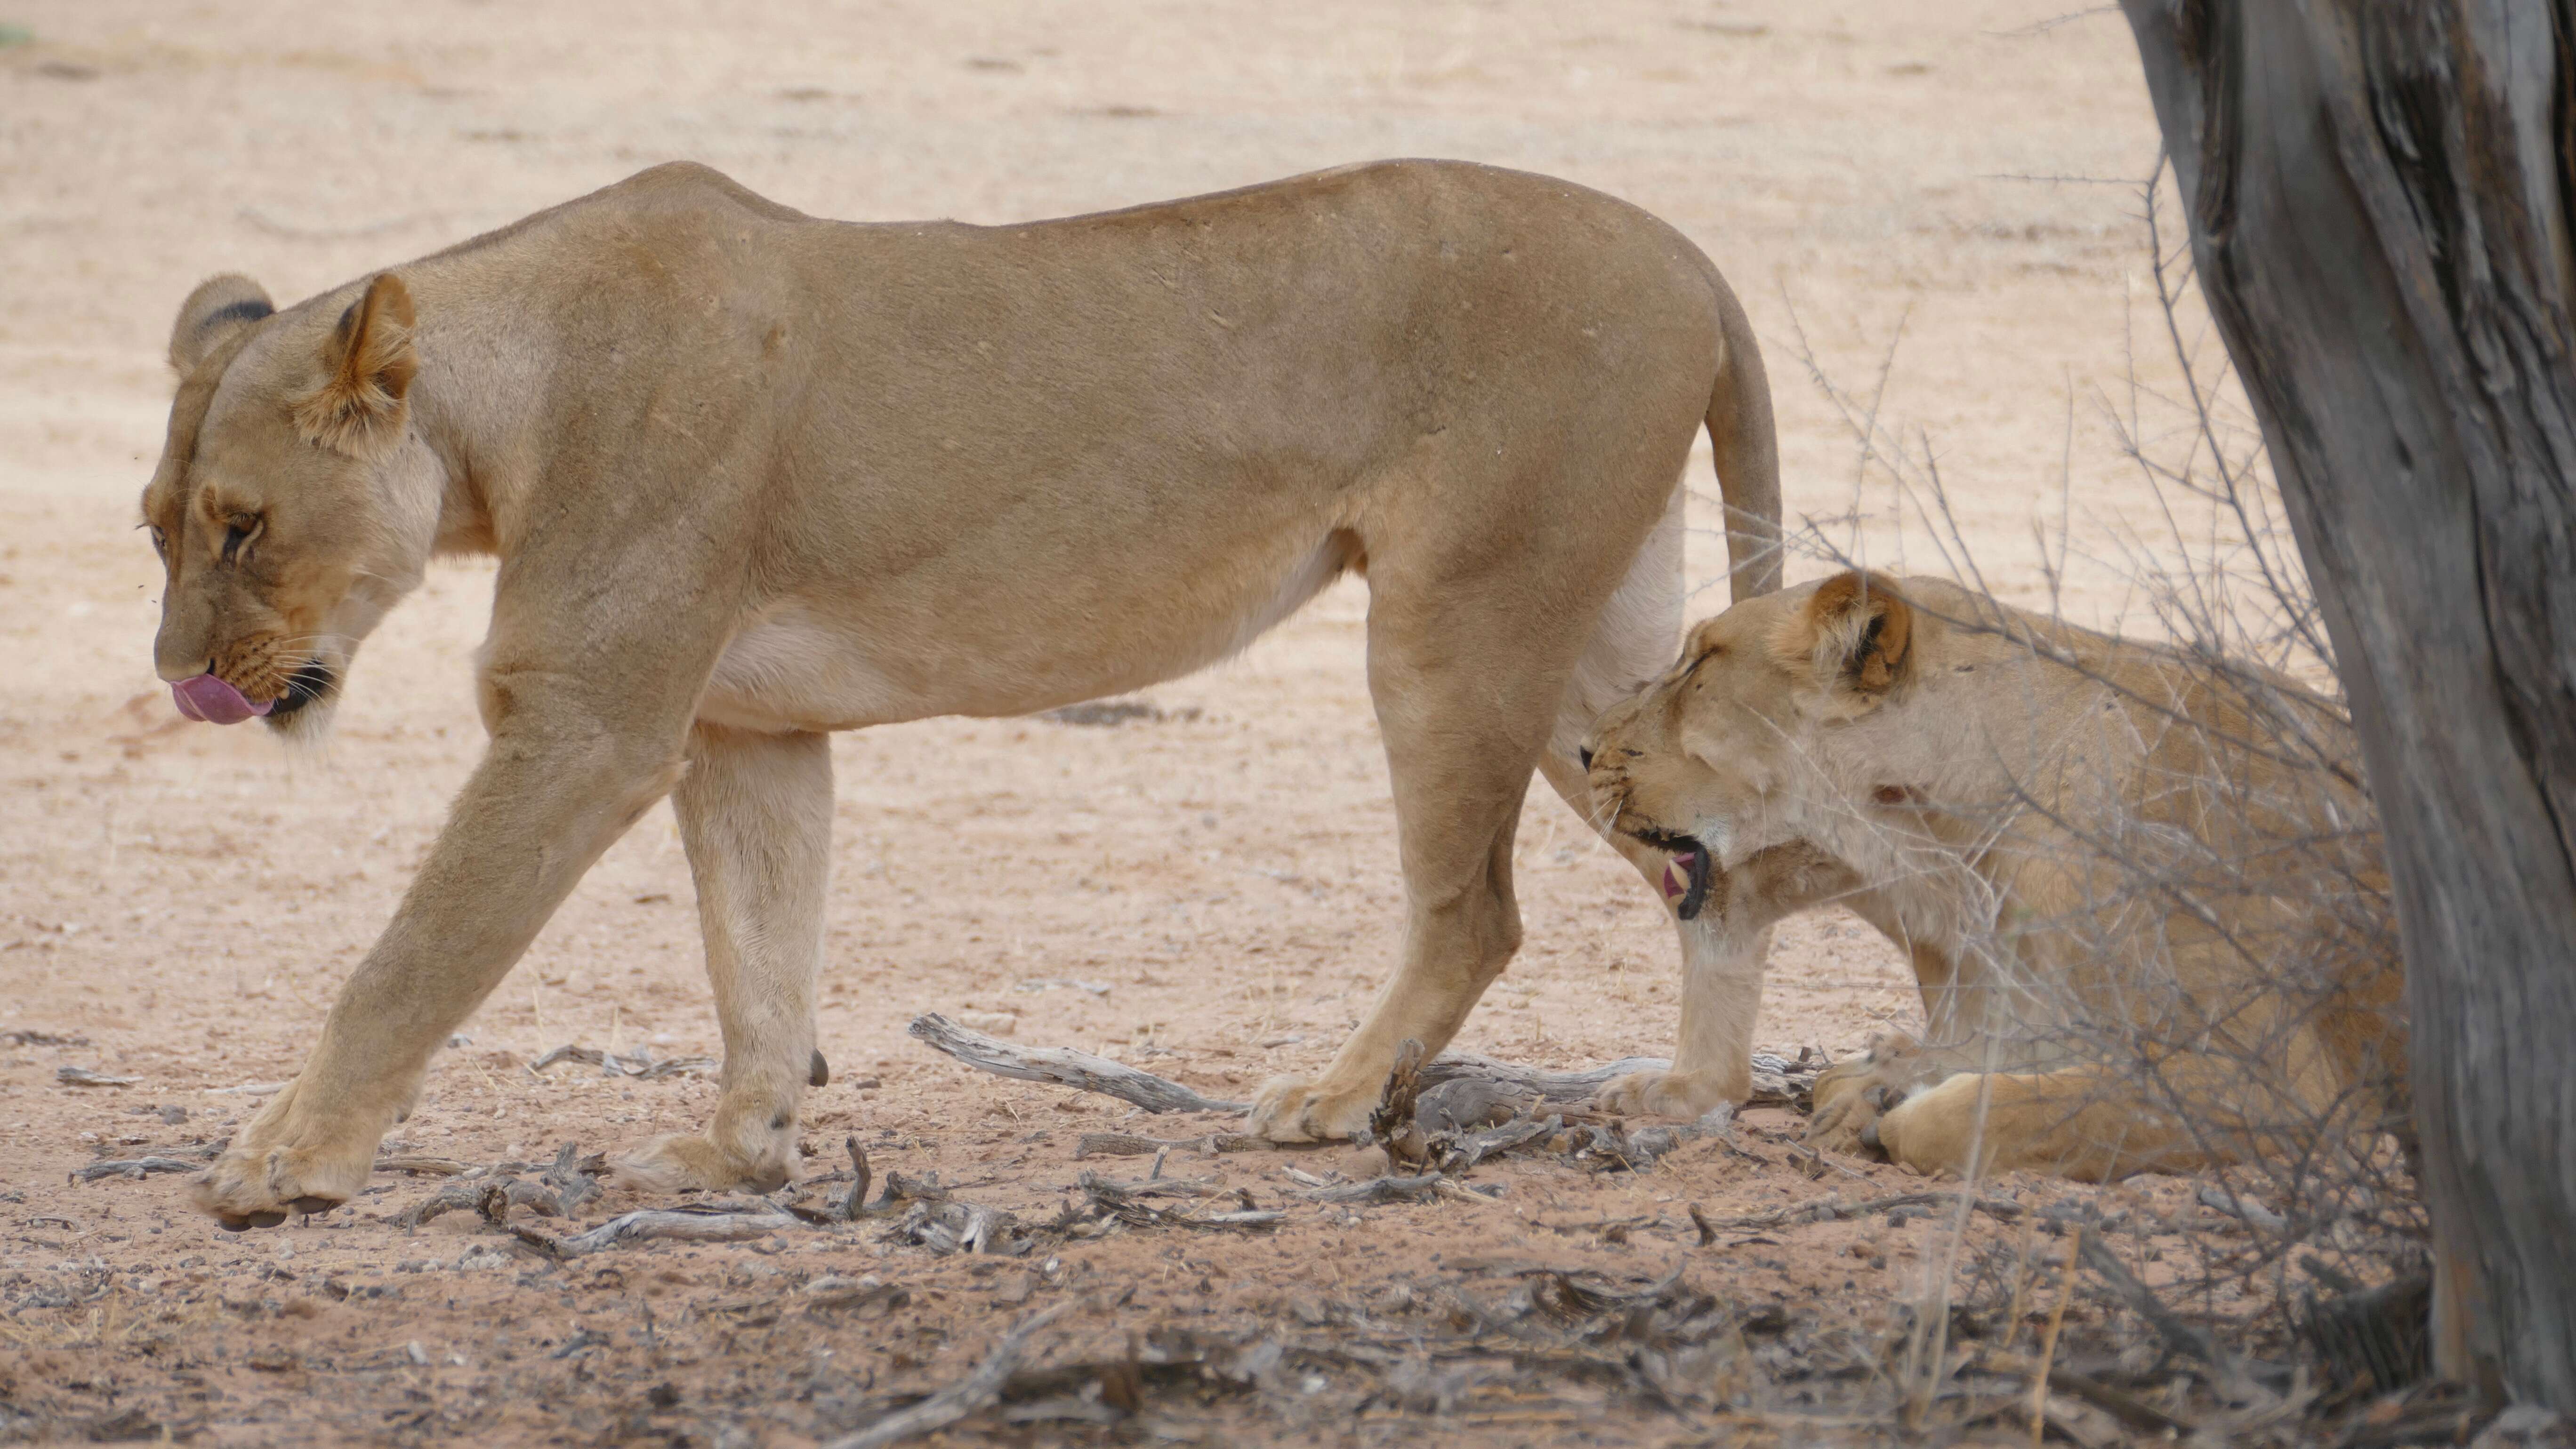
(367, 368)
(1856, 634)
(220, 307)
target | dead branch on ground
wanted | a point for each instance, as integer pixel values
(977, 1391)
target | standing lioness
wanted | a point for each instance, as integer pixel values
(754, 476)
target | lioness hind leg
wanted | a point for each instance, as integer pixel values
(755, 814)
(1466, 683)
(2085, 1123)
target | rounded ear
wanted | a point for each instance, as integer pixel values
(220, 307)
(367, 368)
(1856, 635)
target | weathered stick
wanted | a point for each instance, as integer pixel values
(679, 1223)
(1381, 1190)
(2183, 1338)
(132, 1167)
(84, 1077)
(1128, 1144)
(1123, 1202)
(977, 1391)
(1833, 1208)
(429, 1166)
(2048, 1343)
(1063, 1065)
(2213, 1196)
(856, 1202)
(2128, 1408)
(1776, 1080)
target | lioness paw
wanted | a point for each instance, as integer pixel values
(1852, 1094)
(680, 1161)
(257, 1189)
(273, 1168)
(1685, 1095)
(1290, 1109)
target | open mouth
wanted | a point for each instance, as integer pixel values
(1687, 875)
(306, 685)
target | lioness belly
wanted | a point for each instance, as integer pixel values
(807, 665)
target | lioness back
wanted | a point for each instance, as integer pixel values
(1253, 382)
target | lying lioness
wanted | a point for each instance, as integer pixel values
(2131, 882)
(754, 476)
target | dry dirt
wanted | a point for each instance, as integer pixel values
(1209, 892)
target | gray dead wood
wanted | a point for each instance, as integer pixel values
(1129, 1144)
(856, 1203)
(1382, 1189)
(638, 1063)
(84, 1077)
(1456, 1152)
(2228, 1373)
(1125, 1202)
(2380, 200)
(2236, 1205)
(1833, 1208)
(425, 1166)
(132, 1167)
(946, 1226)
(2371, 1338)
(22, 1036)
(683, 1224)
(977, 1391)
(1776, 1080)
(1063, 1065)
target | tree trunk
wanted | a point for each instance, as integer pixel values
(2379, 199)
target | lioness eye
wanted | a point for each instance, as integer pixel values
(160, 542)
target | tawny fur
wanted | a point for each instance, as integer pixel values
(2003, 795)
(754, 476)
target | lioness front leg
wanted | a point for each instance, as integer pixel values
(1721, 1000)
(1464, 695)
(755, 813)
(555, 788)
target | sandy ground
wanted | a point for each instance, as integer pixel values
(1211, 894)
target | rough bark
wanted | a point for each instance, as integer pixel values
(2379, 202)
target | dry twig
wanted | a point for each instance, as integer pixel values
(84, 1077)
(1063, 1065)
(132, 1167)
(690, 1224)
(2048, 1344)
(977, 1391)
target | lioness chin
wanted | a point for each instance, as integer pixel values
(754, 477)
(2119, 873)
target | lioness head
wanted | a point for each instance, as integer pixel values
(1699, 763)
(281, 542)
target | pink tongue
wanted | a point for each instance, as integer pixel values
(1677, 876)
(210, 699)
